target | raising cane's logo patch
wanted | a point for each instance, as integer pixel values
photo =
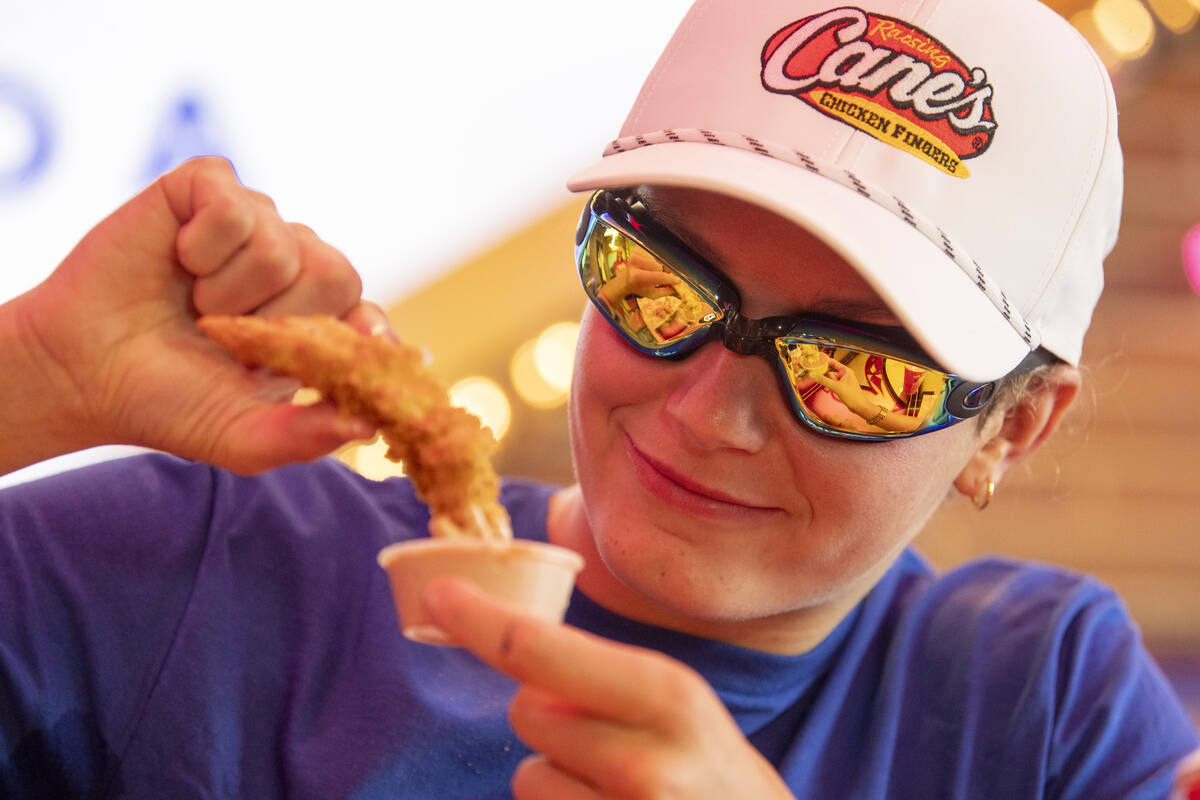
(888, 79)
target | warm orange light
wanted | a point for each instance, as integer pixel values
(306, 396)
(1178, 16)
(528, 381)
(1126, 25)
(481, 396)
(554, 354)
(484, 398)
(1085, 22)
(370, 461)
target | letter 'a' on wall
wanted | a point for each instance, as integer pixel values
(187, 128)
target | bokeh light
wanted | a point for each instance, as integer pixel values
(528, 381)
(1178, 16)
(370, 460)
(484, 398)
(1085, 22)
(306, 396)
(1126, 26)
(554, 354)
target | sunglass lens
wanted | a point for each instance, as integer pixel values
(657, 306)
(867, 395)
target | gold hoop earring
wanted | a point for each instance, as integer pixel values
(987, 497)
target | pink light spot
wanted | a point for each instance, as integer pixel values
(1191, 257)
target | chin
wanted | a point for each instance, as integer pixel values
(672, 577)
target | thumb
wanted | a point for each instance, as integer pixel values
(370, 319)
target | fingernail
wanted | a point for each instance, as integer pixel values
(383, 329)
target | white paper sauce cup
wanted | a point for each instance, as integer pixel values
(534, 576)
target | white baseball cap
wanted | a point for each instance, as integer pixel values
(961, 154)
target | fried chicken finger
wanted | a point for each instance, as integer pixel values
(445, 450)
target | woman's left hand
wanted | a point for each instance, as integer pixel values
(607, 720)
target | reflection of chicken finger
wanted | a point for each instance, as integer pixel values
(445, 450)
(810, 357)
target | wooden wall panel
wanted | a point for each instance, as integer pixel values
(1162, 186)
(1131, 322)
(1117, 492)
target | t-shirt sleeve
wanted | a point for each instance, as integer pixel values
(1034, 681)
(96, 570)
(1119, 728)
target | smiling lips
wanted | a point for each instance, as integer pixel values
(685, 494)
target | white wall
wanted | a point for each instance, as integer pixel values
(408, 134)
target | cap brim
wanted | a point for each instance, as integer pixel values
(932, 296)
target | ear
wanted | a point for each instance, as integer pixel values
(1008, 440)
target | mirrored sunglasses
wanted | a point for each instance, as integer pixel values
(843, 379)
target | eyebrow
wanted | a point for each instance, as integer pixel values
(860, 310)
(677, 224)
(847, 310)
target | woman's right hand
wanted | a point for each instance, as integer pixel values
(106, 349)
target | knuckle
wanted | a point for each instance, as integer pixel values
(323, 260)
(519, 710)
(208, 175)
(207, 241)
(262, 200)
(511, 640)
(647, 775)
(353, 288)
(517, 645)
(527, 779)
(210, 166)
(327, 269)
(681, 695)
(276, 258)
(230, 218)
(336, 280)
(303, 232)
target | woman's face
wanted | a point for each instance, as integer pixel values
(703, 494)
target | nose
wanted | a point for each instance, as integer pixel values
(723, 400)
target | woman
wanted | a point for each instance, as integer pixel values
(750, 622)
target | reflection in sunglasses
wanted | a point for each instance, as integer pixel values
(839, 379)
(643, 294)
(855, 391)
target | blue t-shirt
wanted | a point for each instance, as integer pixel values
(168, 630)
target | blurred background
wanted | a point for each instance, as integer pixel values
(430, 143)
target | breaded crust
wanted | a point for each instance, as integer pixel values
(445, 450)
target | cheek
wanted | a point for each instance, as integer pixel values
(595, 390)
(869, 500)
(886, 492)
(596, 354)
(609, 375)
(612, 383)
